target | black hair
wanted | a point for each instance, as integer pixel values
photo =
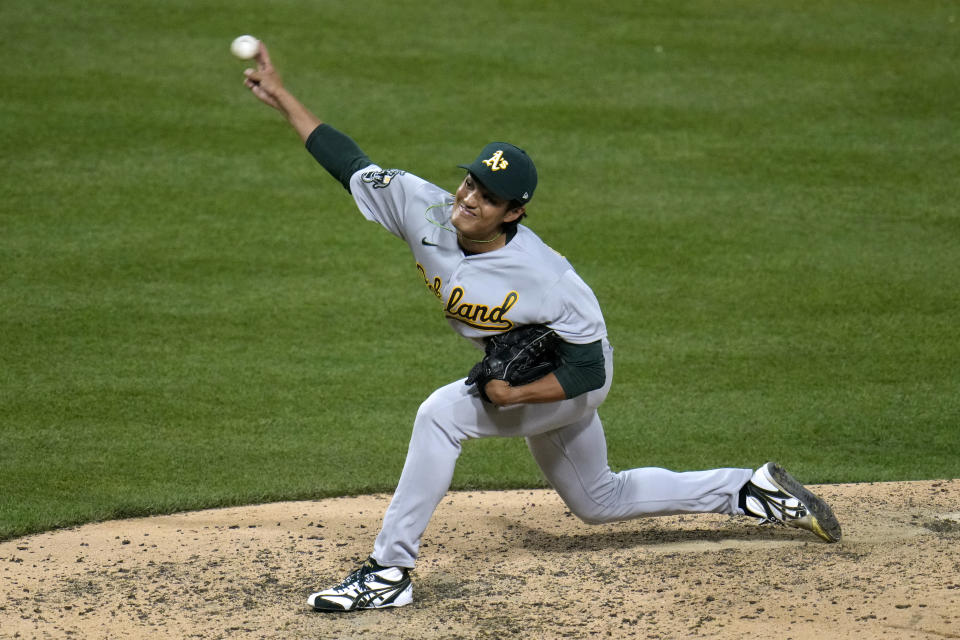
(511, 227)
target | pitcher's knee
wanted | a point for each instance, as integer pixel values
(588, 518)
(597, 504)
(434, 424)
(594, 509)
(591, 514)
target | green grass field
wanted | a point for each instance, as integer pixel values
(192, 313)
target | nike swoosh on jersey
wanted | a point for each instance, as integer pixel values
(427, 243)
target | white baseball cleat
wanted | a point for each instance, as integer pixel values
(773, 495)
(369, 587)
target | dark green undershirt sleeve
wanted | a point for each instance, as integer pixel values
(337, 153)
(582, 369)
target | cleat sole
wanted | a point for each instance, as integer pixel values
(820, 518)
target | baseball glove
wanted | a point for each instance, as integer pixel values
(519, 356)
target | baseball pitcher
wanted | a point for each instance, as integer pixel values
(547, 363)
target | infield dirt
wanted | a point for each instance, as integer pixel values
(511, 564)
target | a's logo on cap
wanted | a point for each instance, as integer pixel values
(496, 162)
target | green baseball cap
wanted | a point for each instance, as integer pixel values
(505, 170)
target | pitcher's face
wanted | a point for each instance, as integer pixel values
(478, 214)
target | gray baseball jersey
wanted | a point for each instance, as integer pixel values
(525, 282)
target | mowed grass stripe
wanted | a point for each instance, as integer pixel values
(193, 314)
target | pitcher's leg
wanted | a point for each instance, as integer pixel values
(450, 415)
(427, 472)
(574, 461)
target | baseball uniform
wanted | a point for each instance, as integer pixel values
(525, 282)
(516, 282)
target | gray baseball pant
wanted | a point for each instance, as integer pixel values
(566, 439)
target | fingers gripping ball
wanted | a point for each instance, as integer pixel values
(245, 47)
(519, 356)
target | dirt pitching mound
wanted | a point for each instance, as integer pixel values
(497, 564)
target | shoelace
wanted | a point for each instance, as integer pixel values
(792, 513)
(358, 576)
(768, 499)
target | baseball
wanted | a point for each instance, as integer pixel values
(245, 47)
